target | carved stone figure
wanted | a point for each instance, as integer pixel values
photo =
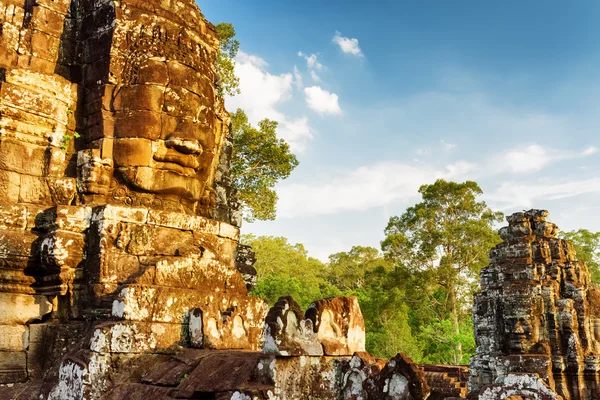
(111, 140)
(536, 314)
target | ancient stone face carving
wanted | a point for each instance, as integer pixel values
(164, 139)
(167, 136)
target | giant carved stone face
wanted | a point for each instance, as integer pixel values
(164, 129)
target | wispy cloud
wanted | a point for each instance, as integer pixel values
(384, 183)
(447, 146)
(526, 194)
(590, 150)
(359, 189)
(532, 158)
(297, 132)
(312, 61)
(322, 101)
(348, 45)
(297, 78)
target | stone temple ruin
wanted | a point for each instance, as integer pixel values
(537, 314)
(121, 276)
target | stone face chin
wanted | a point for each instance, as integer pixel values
(161, 181)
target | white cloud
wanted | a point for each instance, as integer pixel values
(322, 101)
(447, 146)
(590, 150)
(348, 45)
(526, 194)
(532, 158)
(362, 188)
(246, 58)
(460, 169)
(297, 133)
(312, 61)
(298, 78)
(262, 94)
(385, 183)
(424, 151)
(314, 76)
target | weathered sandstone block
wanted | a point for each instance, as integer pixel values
(339, 325)
(288, 333)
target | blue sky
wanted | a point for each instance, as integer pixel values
(377, 99)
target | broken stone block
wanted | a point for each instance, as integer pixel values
(519, 386)
(339, 325)
(400, 379)
(19, 309)
(356, 374)
(287, 333)
(135, 337)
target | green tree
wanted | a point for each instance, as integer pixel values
(444, 240)
(259, 161)
(587, 245)
(285, 269)
(230, 84)
(346, 270)
(386, 314)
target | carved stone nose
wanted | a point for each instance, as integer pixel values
(184, 146)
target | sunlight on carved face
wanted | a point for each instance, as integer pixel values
(164, 138)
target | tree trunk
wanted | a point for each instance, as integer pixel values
(458, 350)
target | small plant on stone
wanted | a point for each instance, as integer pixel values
(66, 139)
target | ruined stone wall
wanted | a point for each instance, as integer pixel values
(37, 105)
(105, 102)
(537, 312)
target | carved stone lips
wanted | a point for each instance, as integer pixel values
(185, 164)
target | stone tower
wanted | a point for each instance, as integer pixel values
(537, 312)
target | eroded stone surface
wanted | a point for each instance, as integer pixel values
(288, 333)
(536, 312)
(339, 325)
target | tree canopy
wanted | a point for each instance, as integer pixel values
(230, 83)
(285, 269)
(260, 159)
(439, 245)
(587, 245)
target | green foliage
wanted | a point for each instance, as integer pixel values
(285, 269)
(259, 158)
(587, 245)
(442, 243)
(66, 139)
(346, 270)
(258, 162)
(416, 297)
(440, 341)
(225, 59)
(386, 313)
